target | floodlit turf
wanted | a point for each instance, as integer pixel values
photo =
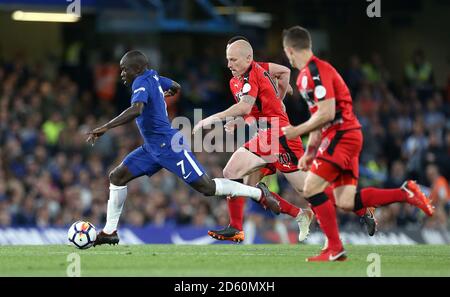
(221, 260)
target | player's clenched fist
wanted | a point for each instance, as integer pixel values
(290, 132)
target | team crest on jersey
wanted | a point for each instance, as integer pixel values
(320, 92)
(246, 88)
(244, 91)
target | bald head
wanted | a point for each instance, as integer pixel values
(239, 56)
(132, 64)
(241, 47)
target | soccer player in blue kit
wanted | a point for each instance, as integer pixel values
(162, 148)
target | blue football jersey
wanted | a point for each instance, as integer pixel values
(161, 149)
(154, 121)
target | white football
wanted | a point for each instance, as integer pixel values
(82, 234)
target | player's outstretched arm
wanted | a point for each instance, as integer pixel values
(326, 112)
(126, 116)
(243, 107)
(283, 75)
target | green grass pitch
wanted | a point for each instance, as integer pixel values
(221, 260)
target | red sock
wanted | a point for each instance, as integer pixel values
(236, 210)
(329, 192)
(326, 217)
(378, 197)
(287, 207)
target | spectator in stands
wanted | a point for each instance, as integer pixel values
(419, 74)
(354, 75)
(375, 71)
(440, 191)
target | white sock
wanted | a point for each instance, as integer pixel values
(282, 232)
(226, 187)
(117, 196)
(249, 231)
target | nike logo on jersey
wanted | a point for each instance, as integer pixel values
(317, 77)
(187, 176)
(141, 89)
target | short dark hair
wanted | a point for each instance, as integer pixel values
(236, 38)
(136, 58)
(297, 37)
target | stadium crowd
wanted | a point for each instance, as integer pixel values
(50, 176)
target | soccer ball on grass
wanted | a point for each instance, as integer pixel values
(82, 234)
